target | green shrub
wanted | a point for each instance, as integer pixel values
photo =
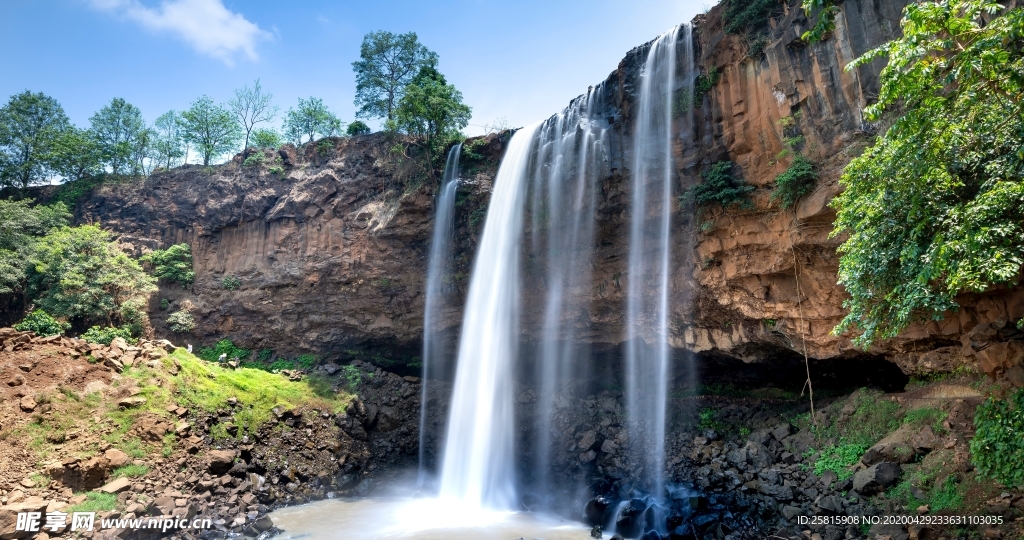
(926, 416)
(172, 264)
(798, 180)
(224, 346)
(69, 193)
(164, 304)
(104, 335)
(230, 283)
(276, 169)
(997, 448)
(357, 127)
(721, 187)
(181, 322)
(255, 159)
(42, 324)
(325, 147)
(839, 459)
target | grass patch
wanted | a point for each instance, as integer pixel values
(927, 416)
(95, 501)
(208, 386)
(874, 418)
(839, 459)
(130, 471)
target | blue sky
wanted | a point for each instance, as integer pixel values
(522, 60)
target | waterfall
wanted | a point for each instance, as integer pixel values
(438, 274)
(571, 155)
(648, 357)
(478, 468)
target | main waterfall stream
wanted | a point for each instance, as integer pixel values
(540, 227)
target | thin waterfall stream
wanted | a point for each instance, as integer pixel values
(438, 279)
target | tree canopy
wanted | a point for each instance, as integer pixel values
(168, 143)
(432, 110)
(29, 125)
(251, 106)
(21, 225)
(935, 207)
(78, 273)
(311, 120)
(210, 128)
(117, 128)
(387, 64)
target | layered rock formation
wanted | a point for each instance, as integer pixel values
(329, 244)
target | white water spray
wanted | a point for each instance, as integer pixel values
(478, 468)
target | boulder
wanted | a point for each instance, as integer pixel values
(116, 486)
(116, 458)
(84, 475)
(9, 517)
(220, 461)
(901, 446)
(27, 404)
(876, 478)
(264, 523)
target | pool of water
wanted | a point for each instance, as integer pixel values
(416, 519)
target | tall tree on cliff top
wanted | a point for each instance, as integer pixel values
(251, 106)
(211, 128)
(117, 128)
(935, 207)
(29, 125)
(432, 111)
(388, 63)
(168, 146)
(76, 154)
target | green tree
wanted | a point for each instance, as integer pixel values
(936, 206)
(29, 124)
(211, 128)
(266, 138)
(168, 145)
(75, 154)
(77, 273)
(117, 128)
(387, 64)
(143, 152)
(251, 106)
(311, 120)
(172, 264)
(357, 127)
(432, 111)
(21, 225)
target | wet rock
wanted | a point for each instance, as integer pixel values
(876, 478)
(596, 509)
(782, 431)
(587, 441)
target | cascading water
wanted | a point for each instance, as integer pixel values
(648, 357)
(570, 161)
(438, 274)
(478, 468)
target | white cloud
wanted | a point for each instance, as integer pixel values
(206, 25)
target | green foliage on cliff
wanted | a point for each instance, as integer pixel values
(997, 449)
(721, 187)
(747, 15)
(172, 264)
(387, 64)
(935, 207)
(823, 13)
(225, 347)
(795, 182)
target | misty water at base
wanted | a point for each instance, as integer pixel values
(416, 519)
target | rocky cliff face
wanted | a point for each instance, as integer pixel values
(330, 252)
